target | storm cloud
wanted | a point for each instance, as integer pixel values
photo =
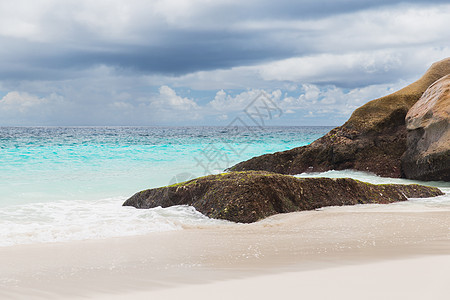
(150, 62)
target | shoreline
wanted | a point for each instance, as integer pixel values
(283, 246)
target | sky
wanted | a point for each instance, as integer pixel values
(202, 62)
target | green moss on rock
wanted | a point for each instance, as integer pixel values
(253, 195)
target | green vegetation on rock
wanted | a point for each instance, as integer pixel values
(253, 195)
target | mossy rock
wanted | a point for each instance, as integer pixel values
(253, 195)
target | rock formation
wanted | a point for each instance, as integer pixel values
(253, 195)
(373, 139)
(428, 141)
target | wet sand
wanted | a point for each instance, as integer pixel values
(329, 254)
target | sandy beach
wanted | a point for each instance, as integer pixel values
(329, 254)
(381, 280)
(255, 150)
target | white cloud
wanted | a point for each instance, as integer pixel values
(330, 103)
(224, 102)
(169, 100)
(310, 100)
(329, 67)
(332, 100)
(17, 102)
(20, 108)
(165, 106)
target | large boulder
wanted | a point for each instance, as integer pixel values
(428, 143)
(373, 139)
(253, 195)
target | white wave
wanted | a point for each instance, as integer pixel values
(59, 221)
(81, 220)
(372, 178)
(440, 203)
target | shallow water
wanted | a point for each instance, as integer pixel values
(68, 183)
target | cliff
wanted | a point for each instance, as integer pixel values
(373, 139)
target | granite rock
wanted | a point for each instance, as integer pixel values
(373, 139)
(427, 156)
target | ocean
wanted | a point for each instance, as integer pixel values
(68, 183)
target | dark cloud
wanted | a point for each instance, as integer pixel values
(303, 9)
(216, 45)
(181, 52)
(79, 63)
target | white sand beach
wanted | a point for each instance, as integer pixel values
(133, 134)
(413, 278)
(335, 253)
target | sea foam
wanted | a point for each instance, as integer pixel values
(440, 203)
(82, 220)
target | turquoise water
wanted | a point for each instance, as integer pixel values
(66, 183)
(69, 183)
(49, 164)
